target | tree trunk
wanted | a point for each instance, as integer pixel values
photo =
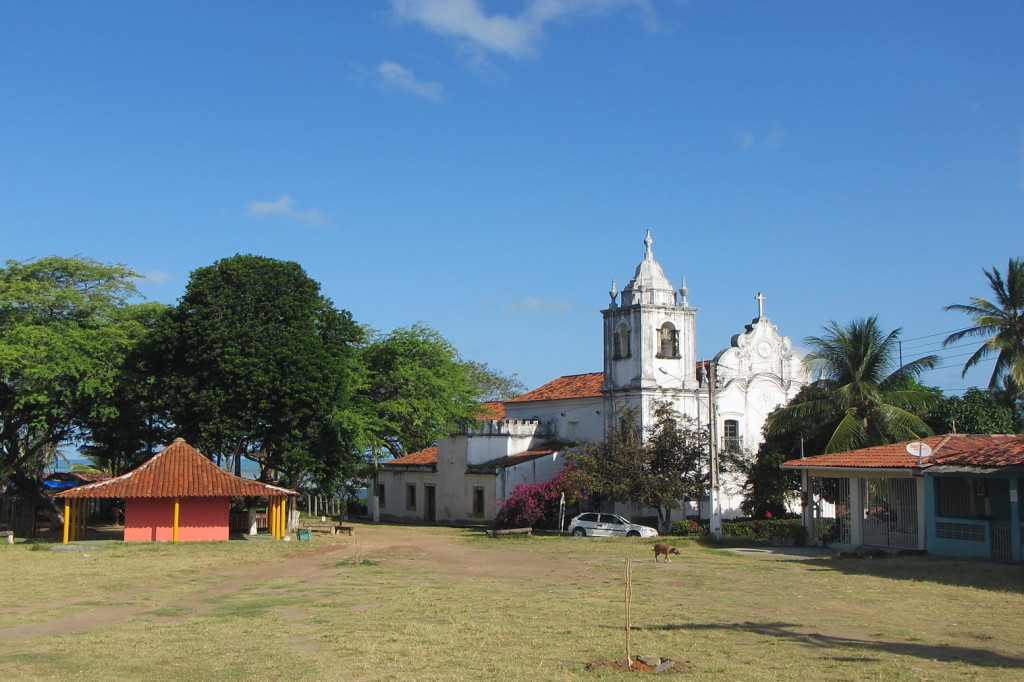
(33, 489)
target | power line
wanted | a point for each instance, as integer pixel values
(928, 336)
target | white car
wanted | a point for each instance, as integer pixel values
(608, 525)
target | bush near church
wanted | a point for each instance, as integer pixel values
(745, 529)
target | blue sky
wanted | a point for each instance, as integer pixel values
(489, 167)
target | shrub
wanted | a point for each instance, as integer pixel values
(689, 528)
(745, 529)
(530, 505)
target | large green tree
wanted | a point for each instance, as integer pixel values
(768, 488)
(976, 412)
(255, 362)
(866, 398)
(418, 389)
(658, 468)
(1000, 323)
(65, 326)
(133, 426)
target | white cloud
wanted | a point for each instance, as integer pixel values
(767, 142)
(535, 307)
(283, 207)
(466, 21)
(156, 276)
(400, 77)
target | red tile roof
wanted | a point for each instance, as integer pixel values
(424, 457)
(957, 448)
(562, 388)
(492, 410)
(179, 470)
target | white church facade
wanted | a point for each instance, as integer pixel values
(650, 355)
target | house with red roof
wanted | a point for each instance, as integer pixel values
(650, 355)
(176, 495)
(951, 495)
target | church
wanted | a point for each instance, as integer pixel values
(650, 355)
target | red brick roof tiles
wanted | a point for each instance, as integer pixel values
(492, 410)
(423, 457)
(562, 388)
(179, 470)
(953, 449)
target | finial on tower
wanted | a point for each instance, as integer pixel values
(613, 293)
(683, 291)
(648, 254)
(760, 304)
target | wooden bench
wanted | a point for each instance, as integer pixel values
(9, 534)
(494, 532)
(331, 528)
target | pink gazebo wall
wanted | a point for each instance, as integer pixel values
(151, 519)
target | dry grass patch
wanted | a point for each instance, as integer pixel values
(444, 604)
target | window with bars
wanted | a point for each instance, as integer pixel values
(961, 497)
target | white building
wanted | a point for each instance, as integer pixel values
(649, 355)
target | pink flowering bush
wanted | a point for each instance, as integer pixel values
(532, 505)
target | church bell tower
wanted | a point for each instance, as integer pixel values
(649, 343)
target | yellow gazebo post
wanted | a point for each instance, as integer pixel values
(276, 517)
(177, 511)
(81, 519)
(67, 520)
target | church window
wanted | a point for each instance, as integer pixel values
(621, 341)
(668, 341)
(733, 441)
(410, 496)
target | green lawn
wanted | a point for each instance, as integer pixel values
(442, 604)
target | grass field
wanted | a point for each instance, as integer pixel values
(398, 602)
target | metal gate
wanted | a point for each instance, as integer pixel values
(890, 513)
(1001, 540)
(830, 504)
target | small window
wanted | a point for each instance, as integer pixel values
(621, 341)
(380, 495)
(668, 341)
(478, 501)
(410, 496)
(732, 439)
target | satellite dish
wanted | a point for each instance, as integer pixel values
(919, 450)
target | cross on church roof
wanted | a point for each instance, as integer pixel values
(760, 304)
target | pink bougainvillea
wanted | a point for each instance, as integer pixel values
(530, 505)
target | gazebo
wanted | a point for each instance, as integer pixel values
(176, 495)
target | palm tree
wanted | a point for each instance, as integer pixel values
(999, 323)
(863, 400)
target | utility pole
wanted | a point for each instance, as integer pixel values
(715, 525)
(374, 498)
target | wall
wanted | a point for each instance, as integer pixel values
(199, 518)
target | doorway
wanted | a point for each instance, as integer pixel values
(430, 508)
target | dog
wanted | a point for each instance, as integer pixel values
(660, 549)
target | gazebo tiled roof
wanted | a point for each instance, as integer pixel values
(179, 470)
(951, 449)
